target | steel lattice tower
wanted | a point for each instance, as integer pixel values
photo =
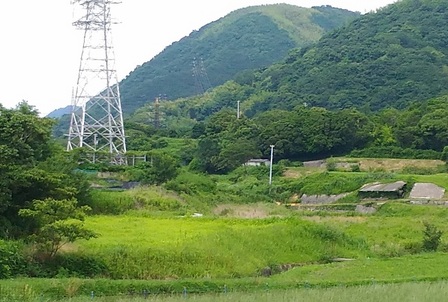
(97, 118)
(201, 80)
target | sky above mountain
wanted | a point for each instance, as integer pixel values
(40, 50)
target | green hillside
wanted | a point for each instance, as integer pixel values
(246, 39)
(388, 58)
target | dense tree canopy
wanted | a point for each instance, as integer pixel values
(32, 167)
(246, 39)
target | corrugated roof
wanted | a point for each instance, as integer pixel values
(379, 187)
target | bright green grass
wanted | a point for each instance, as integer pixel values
(428, 291)
(396, 229)
(334, 282)
(146, 232)
(411, 267)
(144, 248)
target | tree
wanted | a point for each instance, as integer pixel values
(234, 154)
(58, 222)
(32, 167)
(431, 237)
(161, 168)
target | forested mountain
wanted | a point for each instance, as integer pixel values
(384, 59)
(249, 38)
(388, 58)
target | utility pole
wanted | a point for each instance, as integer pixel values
(238, 110)
(270, 167)
(97, 120)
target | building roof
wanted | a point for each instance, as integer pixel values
(379, 187)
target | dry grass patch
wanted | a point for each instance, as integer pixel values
(396, 165)
(299, 172)
(251, 211)
(336, 219)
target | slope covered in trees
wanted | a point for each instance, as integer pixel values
(249, 38)
(388, 58)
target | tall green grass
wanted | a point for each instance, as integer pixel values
(146, 248)
(383, 279)
(149, 198)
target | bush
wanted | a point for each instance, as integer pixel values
(110, 202)
(12, 261)
(191, 183)
(331, 166)
(431, 237)
(75, 265)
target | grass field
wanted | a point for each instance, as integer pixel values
(145, 247)
(149, 243)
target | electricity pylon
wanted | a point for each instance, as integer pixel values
(97, 119)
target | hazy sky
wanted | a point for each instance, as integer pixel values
(40, 50)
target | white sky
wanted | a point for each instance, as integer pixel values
(40, 50)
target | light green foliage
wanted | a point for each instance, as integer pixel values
(58, 222)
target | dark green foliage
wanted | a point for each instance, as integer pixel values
(159, 168)
(246, 39)
(12, 261)
(395, 152)
(431, 237)
(32, 167)
(77, 265)
(379, 60)
(444, 155)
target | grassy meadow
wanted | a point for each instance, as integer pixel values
(151, 241)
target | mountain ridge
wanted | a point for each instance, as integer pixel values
(228, 46)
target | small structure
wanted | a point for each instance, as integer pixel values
(379, 190)
(315, 163)
(258, 162)
(427, 191)
(320, 199)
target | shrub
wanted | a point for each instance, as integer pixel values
(431, 237)
(12, 261)
(110, 202)
(355, 168)
(331, 166)
(191, 183)
(75, 265)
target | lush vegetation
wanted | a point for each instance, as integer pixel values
(385, 59)
(187, 216)
(246, 39)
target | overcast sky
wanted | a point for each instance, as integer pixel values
(40, 50)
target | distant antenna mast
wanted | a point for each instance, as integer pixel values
(97, 119)
(201, 80)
